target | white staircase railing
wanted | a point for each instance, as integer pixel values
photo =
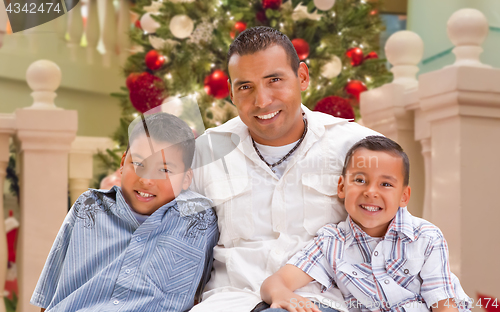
(50, 157)
(454, 113)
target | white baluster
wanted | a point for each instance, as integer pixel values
(390, 109)
(107, 23)
(44, 77)
(404, 50)
(467, 30)
(123, 29)
(75, 31)
(92, 30)
(462, 105)
(81, 162)
(44, 135)
(7, 125)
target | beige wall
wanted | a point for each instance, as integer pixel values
(98, 114)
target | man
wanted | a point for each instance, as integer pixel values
(277, 186)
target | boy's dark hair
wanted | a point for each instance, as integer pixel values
(164, 127)
(382, 144)
(260, 38)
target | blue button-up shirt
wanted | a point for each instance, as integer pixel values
(104, 260)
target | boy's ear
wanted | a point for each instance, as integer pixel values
(123, 161)
(405, 197)
(188, 178)
(341, 188)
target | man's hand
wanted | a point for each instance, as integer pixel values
(277, 290)
(293, 303)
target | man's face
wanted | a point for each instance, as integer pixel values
(266, 92)
(373, 190)
(150, 180)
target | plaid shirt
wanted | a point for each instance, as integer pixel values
(408, 270)
(104, 260)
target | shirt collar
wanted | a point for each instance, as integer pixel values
(122, 209)
(401, 223)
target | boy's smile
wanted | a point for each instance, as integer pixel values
(373, 189)
(150, 181)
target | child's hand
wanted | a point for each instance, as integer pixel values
(294, 303)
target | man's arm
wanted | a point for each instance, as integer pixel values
(277, 290)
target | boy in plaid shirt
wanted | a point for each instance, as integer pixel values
(382, 258)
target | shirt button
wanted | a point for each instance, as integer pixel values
(406, 271)
(138, 238)
(127, 271)
(354, 273)
(116, 302)
(386, 281)
(376, 253)
(278, 228)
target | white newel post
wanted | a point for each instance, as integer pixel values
(7, 128)
(81, 162)
(462, 104)
(390, 108)
(44, 136)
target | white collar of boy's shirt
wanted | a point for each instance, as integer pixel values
(316, 123)
(402, 223)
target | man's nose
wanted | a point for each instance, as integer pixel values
(264, 97)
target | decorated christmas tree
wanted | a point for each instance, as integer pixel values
(181, 45)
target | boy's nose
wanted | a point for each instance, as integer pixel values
(146, 181)
(371, 191)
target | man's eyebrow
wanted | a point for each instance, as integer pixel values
(239, 83)
(275, 74)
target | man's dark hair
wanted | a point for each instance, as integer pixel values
(260, 38)
(381, 144)
(164, 127)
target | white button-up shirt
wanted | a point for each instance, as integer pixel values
(264, 220)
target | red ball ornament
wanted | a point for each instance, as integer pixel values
(146, 91)
(131, 79)
(237, 28)
(154, 60)
(216, 84)
(356, 56)
(271, 4)
(371, 55)
(261, 16)
(335, 106)
(302, 48)
(354, 88)
(137, 23)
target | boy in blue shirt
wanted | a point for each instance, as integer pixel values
(381, 258)
(144, 246)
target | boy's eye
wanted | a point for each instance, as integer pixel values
(138, 164)
(359, 180)
(275, 79)
(165, 170)
(386, 184)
